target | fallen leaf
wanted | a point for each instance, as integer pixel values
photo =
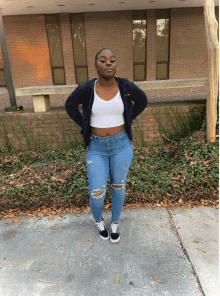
(78, 243)
(11, 233)
(190, 216)
(117, 281)
(85, 262)
(178, 227)
(162, 226)
(156, 279)
(204, 220)
(52, 229)
(175, 273)
(147, 225)
(204, 251)
(35, 223)
(19, 224)
(62, 180)
(196, 242)
(80, 222)
(85, 239)
(164, 204)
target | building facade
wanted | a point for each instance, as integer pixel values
(149, 44)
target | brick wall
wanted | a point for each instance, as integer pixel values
(26, 39)
(110, 29)
(188, 48)
(57, 129)
(28, 50)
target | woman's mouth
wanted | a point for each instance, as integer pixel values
(108, 70)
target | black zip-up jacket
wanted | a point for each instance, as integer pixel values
(84, 94)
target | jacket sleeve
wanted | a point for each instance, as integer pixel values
(140, 99)
(72, 103)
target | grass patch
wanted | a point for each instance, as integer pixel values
(186, 171)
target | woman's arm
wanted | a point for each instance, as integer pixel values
(140, 99)
(72, 103)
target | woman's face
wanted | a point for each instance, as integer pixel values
(106, 64)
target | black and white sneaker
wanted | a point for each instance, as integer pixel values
(114, 232)
(103, 231)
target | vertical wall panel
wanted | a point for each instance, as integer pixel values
(67, 48)
(151, 44)
(111, 29)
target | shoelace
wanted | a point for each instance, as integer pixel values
(114, 227)
(101, 225)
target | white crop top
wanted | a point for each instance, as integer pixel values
(107, 113)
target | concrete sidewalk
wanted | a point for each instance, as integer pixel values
(171, 252)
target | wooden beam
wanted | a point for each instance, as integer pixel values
(211, 26)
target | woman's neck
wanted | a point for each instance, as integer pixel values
(109, 82)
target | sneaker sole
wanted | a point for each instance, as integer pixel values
(114, 240)
(105, 238)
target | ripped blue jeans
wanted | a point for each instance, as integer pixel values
(108, 155)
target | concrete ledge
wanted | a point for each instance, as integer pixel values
(144, 85)
(41, 94)
(172, 83)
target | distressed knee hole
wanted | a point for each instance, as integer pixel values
(118, 186)
(98, 193)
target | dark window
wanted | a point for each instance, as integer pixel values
(139, 44)
(55, 47)
(163, 43)
(79, 47)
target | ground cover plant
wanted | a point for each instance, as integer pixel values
(184, 173)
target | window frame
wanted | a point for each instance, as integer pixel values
(168, 12)
(145, 44)
(55, 67)
(81, 66)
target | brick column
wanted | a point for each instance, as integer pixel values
(151, 44)
(111, 29)
(67, 48)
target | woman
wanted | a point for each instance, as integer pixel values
(106, 128)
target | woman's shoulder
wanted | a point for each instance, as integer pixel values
(124, 81)
(89, 83)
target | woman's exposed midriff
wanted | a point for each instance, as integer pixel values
(109, 131)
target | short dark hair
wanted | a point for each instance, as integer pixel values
(101, 51)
